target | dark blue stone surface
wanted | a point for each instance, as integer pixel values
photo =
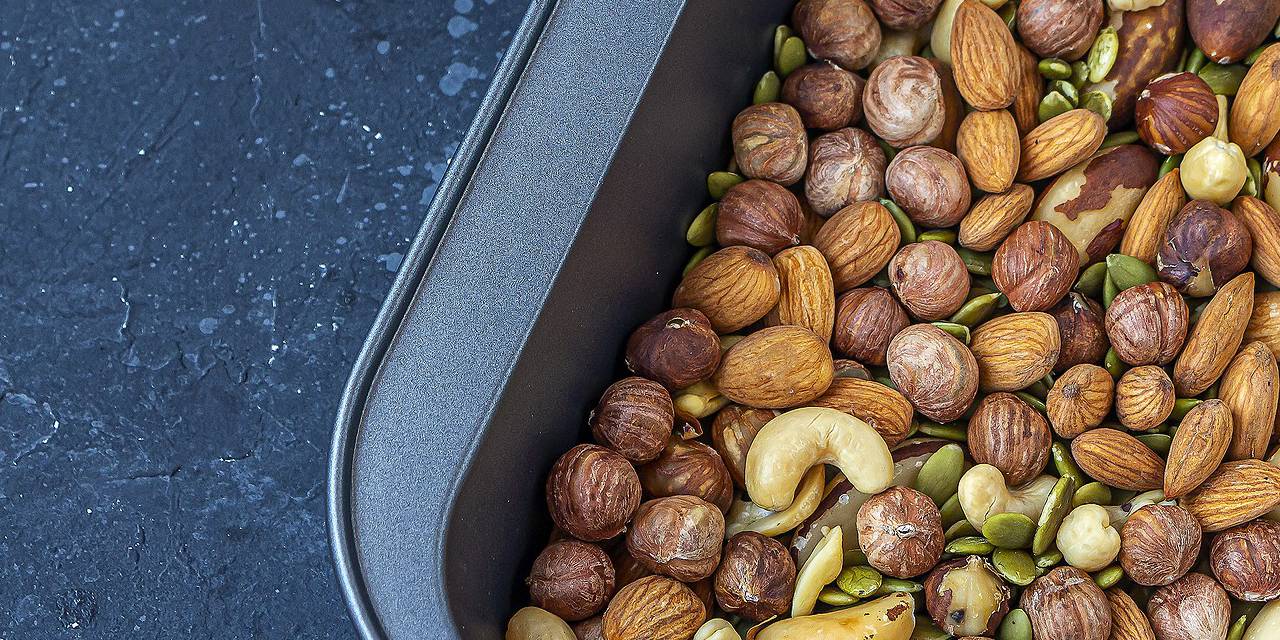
(202, 205)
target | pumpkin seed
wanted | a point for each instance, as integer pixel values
(719, 183)
(1079, 74)
(1039, 389)
(1120, 137)
(894, 585)
(697, 257)
(1054, 69)
(1128, 271)
(1067, 90)
(1157, 442)
(1009, 530)
(1238, 628)
(976, 311)
(1016, 626)
(836, 597)
(1108, 577)
(1170, 163)
(1092, 493)
(940, 475)
(1183, 405)
(1253, 57)
(887, 381)
(1224, 79)
(1109, 291)
(1065, 465)
(1113, 364)
(859, 581)
(767, 89)
(949, 431)
(1048, 559)
(1036, 403)
(1097, 102)
(702, 231)
(926, 630)
(1090, 282)
(1255, 172)
(945, 236)
(961, 529)
(854, 557)
(1211, 394)
(1053, 104)
(889, 151)
(905, 225)
(958, 331)
(1103, 53)
(791, 56)
(1182, 61)
(970, 546)
(979, 264)
(951, 511)
(1009, 13)
(1055, 509)
(1014, 566)
(1196, 60)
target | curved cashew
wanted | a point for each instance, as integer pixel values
(983, 493)
(819, 570)
(532, 623)
(1265, 625)
(891, 617)
(748, 516)
(792, 443)
(1120, 513)
(1086, 538)
(717, 629)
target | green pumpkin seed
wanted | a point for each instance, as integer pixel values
(1038, 389)
(697, 257)
(1128, 271)
(1090, 282)
(945, 236)
(926, 630)
(1055, 509)
(978, 263)
(887, 381)
(1009, 13)
(859, 581)
(1052, 105)
(1182, 61)
(1120, 137)
(1238, 628)
(1108, 577)
(1224, 79)
(1255, 171)
(1170, 163)
(1014, 566)
(1097, 102)
(889, 151)
(1103, 53)
(1054, 69)
(1067, 90)
(1065, 465)
(894, 585)
(1182, 406)
(1250, 187)
(780, 36)
(970, 546)
(1016, 626)
(1157, 442)
(958, 331)
(1113, 364)
(1048, 559)
(702, 231)
(1257, 53)
(836, 597)
(951, 511)
(1196, 60)
(1036, 403)
(792, 56)
(1211, 393)
(1109, 291)
(905, 225)
(1079, 74)
(940, 474)
(961, 529)
(719, 183)
(1009, 530)
(1092, 493)
(767, 89)
(949, 431)
(976, 311)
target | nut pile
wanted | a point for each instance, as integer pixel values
(979, 341)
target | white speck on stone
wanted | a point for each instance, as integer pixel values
(391, 260)
(384, 47)
(463, 6)
(208, 325)
(328, 73)
(460, 26)
(456, 75)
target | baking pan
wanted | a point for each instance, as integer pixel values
(557, 230)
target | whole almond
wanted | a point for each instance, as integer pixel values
(653, 607)
(1059, 143)
(886, 410)
(1236, 493)
(1255, 116)
(857, 242)
(1198, 447)
(1080, 399)
(1128, 622)
(984, 57)
(1215, 338)
(989, 145)
(775, 368)
(1144, 397)
(1264, 226)
(1145, 232)
(1118, 459)
(808, 296)
(1264, 322)
(733, 287)
(1026, 105)
(1248, 389)
(1006, 433)
(1015, 350)
(995, 216)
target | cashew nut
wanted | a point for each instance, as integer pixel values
(983, 493)
(818, 571)
(748, 516)
(716, 629)
(1119, 514)
(532, 623)
(792, 443)
(1086, 538)
(940, 37)
(1266, 625)
(891, 617)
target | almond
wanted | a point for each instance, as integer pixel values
(857, 242)
(1215, 338)
(808, 297)
(1080, 399)
(733, 287)
(1264, 322)
(1198, 447)
(1264, 227)
(1128, 622)
(1248, 389)
(886, 410)
(775, 368)
(1015, 350)
(984, 57)
(656, 608)
(1060, 143)
(1145, 232)
(1026, 106)
(989, 145)
(1236, 493)
(1118, 459)
(1255, 116)
(995, 216)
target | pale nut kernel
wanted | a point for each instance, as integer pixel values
(1086, 538)
(983, 493)
(965, 596)
(532, 623)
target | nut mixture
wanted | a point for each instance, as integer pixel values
(979, 341)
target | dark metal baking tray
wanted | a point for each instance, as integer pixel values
(557, 230)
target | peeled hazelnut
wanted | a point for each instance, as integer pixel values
(826, 96)
(930, 185)
(1035, 266)
(857, 242)
(759, 214)
(1214, 169)
(533, 623)
(845, 167)
(1193, 608)
(866, 320)
(904, 101)
(676, 348)
(1147, 324)
(634, 417)
(1144, 397)
(733, 431)
(688, 467)
(966, 597)
(1158, 544)
(776, 368)
(678, 536)
(1246, 560)
(1081, 331)
(733, 287)
(571, 579)
(1205, 247)
(655, 607)
(769, 143)
(1008, 434)
(1176, 111)
(756, 577)
(1086, 538)
(900, 530)
(1066, 604)
(1059, 28)
(905, 15)
(1079, 400)
(592, 492)
(843, 31)
(930, 279)
(936, 372)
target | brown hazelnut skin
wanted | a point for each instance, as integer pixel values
(845, 167)
(1081, 330)
(1194, 607)
(759, 214)
(1147, 324)
(592, 492)
(1246, 560)
(678, 537)
(1080, 399)
(688, 467)
(1176, 111)
(826, 96)
(974, 573)
(905, 102)
(866, 320)
(1059, 28)
(1066, 604)
(634, 417)
(1035, 266)
(1008, 434)
(930, 279)
(732, 433)
(936, 372)
(756, 577)
(1158, 544)
(1144, 397)
(1205, 246)
(590, 629)
(769, 143)
(931, 186)
(676, 348)
(626, 568)
(843, 31)
(571, 579)
(654, 607)
(900, 530)
(905, 15)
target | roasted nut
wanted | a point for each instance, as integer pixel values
(936, 372)
(826, 96)
(1086, 538)
(532, 623)
(1147, 324)
(989, 146)
(678, 537)
(688, 467)
(759, 214)
(966, 596)
(1264, 321)
(756, 577)
(733, 287)
(1215, 338)
(1118, 460)
(734, 429)
(888, 617)
(1066, 604)
(1081, 331)
(845, 167)
(775, 368)
(1079, 400)
(900, 531)
(592, 492)
(656, 608)
(1035, 266)
(634, 417)
(994, 216)
(1059, 28)
(1176, 111)
(1264, 226)
(1206, 246)
(866, 320)
(1246, 560)
(905, 15)
(821, 569)
(930, 185)
(904, 101)
(857, 242)
(1254, 121)
(676, 348)
(843, 31)
(1198, 447)
(769, 143)
(1144, 398)
(1193, 608)
(983, 493)
(1150, 42)
(886, 410)
(1227, 31)
(571, 579)
(930, 279)
(1159, 544)
(1248, 389)
(1008, 434)
(1015, 350)
(1145, 232)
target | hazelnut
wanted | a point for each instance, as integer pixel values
(857, 242)
(733, 287)
(1079, 400)
(1144, 397)
(1035, 266)
(936, 372)
(1008, 434)
(905, 102)
(846, 368)
(930, 185)
(1205, 247)
(678, 537)
(1192, 608)
(592, 492)
(689, 468)
(625, 566)
(866, 320)
(1086, 538)
(1158, 544)
(776, 368)
(676, 348)
(1081, 331)
(905, 15)
(843, 31)
(1147, 324)
(900, 530)
(1214, 169)
(1246, 560)
(734, 429)
(571, 579)
(845, 167)
(930, 278)
(1059, 28)
(656, 608)
(769, 143)
(634, 417)
(759, 214)
(590, 629)
(1066, 604)
(966, 597)
(1176, 111)
(826, 96)
(756, 577)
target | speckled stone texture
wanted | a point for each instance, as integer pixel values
(202, 205)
